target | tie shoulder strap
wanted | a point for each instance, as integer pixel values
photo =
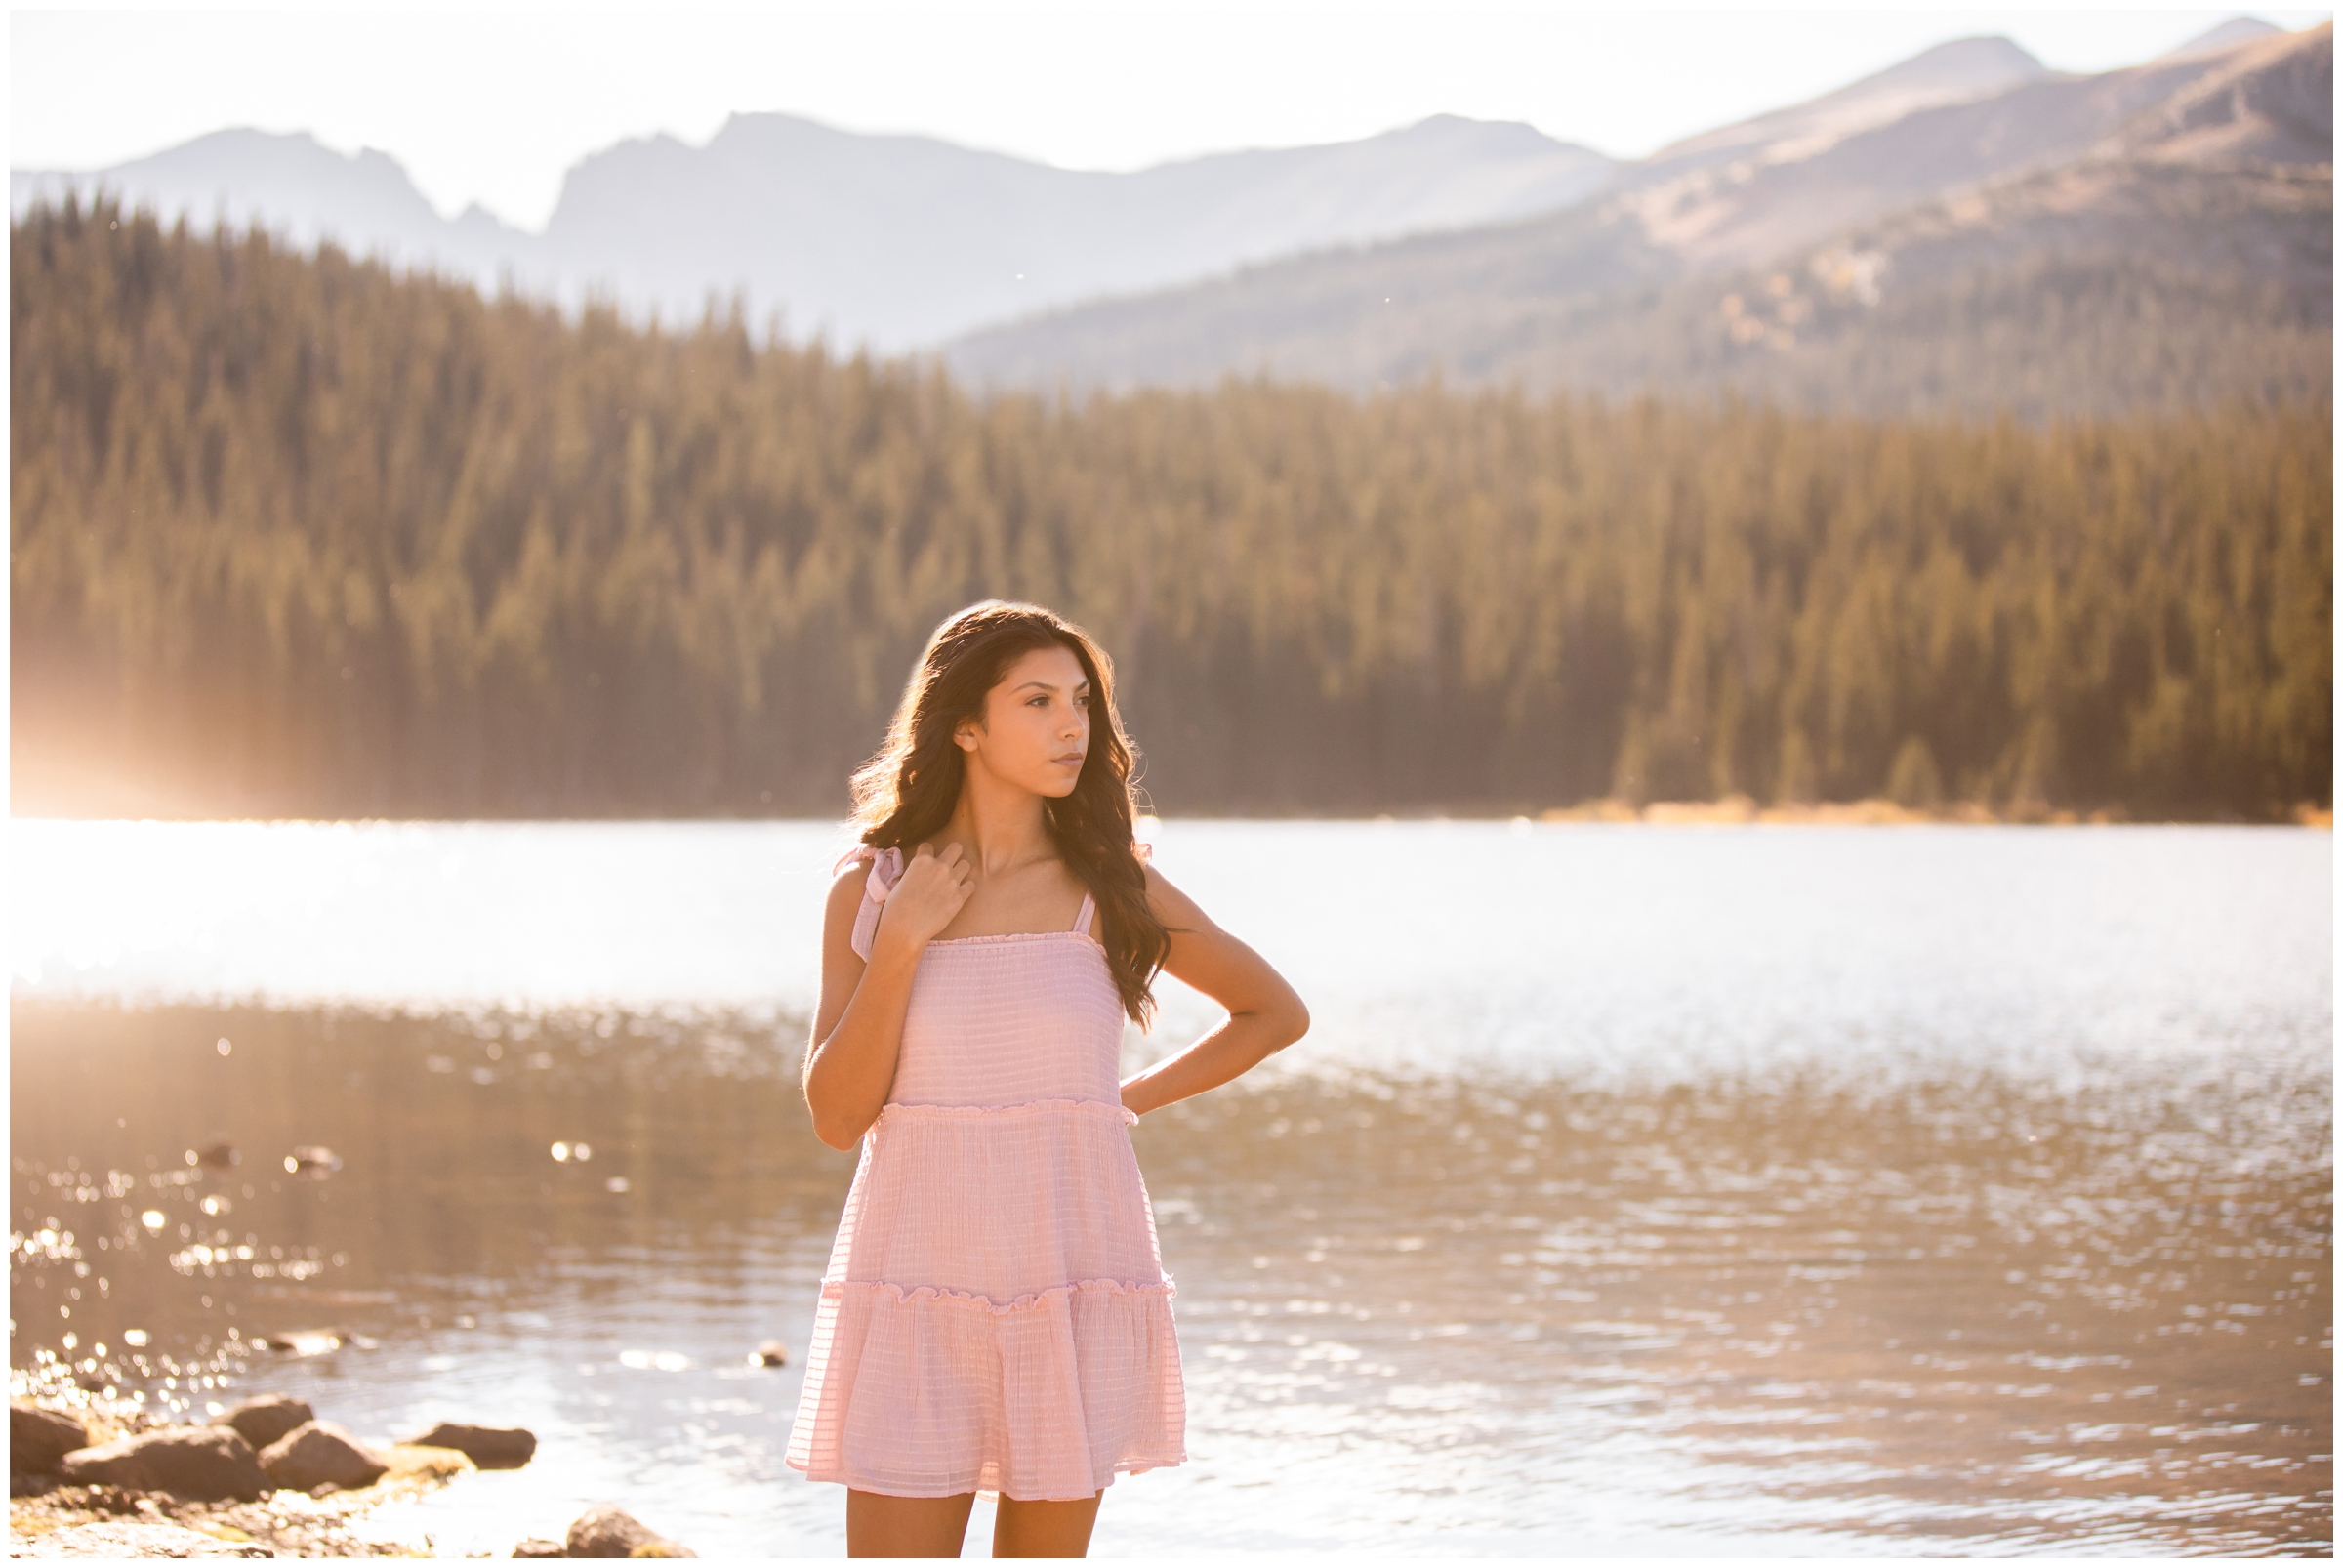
(887, 869)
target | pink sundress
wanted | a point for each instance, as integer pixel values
(994, 1316)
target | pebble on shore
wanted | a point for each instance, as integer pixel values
(204, 1464)
(321, 1454)
(491, 1448)
(134, 1538)
(609, 1531)
(39, 1439)
(264, 1418)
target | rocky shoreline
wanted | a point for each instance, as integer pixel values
(264, 1479)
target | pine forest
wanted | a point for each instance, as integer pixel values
(296, 535)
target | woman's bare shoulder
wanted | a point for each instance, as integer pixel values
(846, 896)
(1172, 906)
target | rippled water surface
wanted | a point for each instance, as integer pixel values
(1759, 1191)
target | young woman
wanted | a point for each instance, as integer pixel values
(994, 1316)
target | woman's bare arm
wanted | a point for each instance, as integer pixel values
(858, 1021)
(1264, 1015)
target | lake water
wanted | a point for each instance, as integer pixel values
(1760, 1191)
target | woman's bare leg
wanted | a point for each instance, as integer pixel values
(880, 1526)
(1044, 1529)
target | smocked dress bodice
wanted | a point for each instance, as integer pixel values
(1003, 1020)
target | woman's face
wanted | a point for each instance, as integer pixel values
(1037, 723)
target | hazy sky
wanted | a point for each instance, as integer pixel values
(492, 104)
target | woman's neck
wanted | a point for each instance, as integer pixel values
(996, 826)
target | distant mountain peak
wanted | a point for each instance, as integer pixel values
(1957, 70)
(286, 181)
(2237, 29)
(1988, 60)
(1515, 136)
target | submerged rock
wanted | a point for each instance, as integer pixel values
(534, 1547)
(312, 1162)
(203, 1463)
(38, 1439)
(301, 1342)
(771, 1354)
(607, 1531)
(491, 1448)
(264, 1418)
(320, 1454)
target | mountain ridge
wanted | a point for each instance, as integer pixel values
(894, 240)
(1538, 301)
(1484, 249)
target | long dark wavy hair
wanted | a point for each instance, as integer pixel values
(906, 793)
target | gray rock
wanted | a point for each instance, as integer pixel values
(207, 1463)
(264, 1418)
(536, 1548)
(320, 1454)
(605, 1531)
(38, 1438)
(491, 1448)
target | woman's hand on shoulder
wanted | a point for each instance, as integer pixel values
(926, 896)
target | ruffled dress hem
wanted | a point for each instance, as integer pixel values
(934, 1392)
(953, 1489)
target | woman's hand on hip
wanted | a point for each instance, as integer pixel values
(927, 897)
